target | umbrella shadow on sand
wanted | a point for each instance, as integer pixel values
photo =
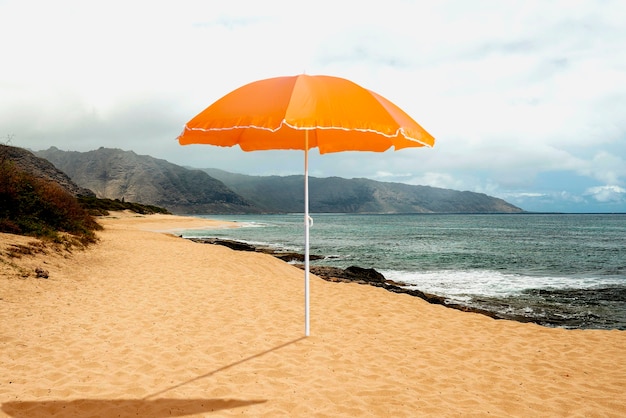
(162, 407)
(211, 373)
(145, 407)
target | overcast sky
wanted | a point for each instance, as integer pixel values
(526, 99)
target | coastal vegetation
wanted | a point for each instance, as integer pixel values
(101, 207)
(42, 208)
(33, 206)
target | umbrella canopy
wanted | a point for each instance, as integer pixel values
(303, 112)
(339, 115)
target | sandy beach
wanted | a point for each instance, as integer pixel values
(145, 323)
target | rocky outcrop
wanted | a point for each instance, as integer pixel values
(368, 276)
(125, 175)
(40, 167)
(350, 274)
(355, 274)
(242, 246)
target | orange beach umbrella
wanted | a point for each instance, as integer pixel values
(303, 112)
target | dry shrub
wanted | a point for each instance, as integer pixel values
(37, 207)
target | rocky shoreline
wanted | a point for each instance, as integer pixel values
(366, 276)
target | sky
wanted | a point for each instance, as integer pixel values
(526, 99)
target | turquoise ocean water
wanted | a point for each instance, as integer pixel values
(558, 269)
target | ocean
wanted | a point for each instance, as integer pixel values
(565, 270)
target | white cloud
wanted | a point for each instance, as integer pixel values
(606, 167)
(387, 175)
(510, 89)
(608, 193)
(526, 195)
(443, 180)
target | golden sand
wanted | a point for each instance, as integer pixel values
(147, 324)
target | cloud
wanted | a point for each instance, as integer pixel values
(606, 167)
(511, 90)
(609, 193)
(523, 195)
(382, 175)
(439, 179)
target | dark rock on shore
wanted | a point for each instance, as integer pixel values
(291, 257)
(374, 278)
(350, 274)
(234, 245)
(242, 246)
(355, 274)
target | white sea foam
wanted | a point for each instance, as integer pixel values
(469, 259)
(252, 224)
(462, 285)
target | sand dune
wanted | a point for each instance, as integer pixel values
(148, 324)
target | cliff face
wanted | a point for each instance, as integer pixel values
(117, 174)
(40, 167)
(339, 195)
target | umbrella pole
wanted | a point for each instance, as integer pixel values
(306, 234)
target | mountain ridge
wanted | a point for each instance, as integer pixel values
(117, 174)
(357, 195)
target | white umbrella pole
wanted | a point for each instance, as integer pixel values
(306, 234)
